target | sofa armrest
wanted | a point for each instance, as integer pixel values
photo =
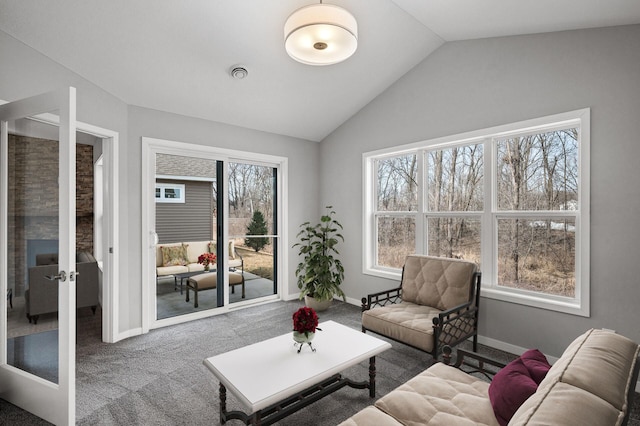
(382, 298)
(473, 361)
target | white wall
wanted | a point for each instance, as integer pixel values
(471, 85)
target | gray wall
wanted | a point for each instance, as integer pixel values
(303, 164)
(471, 85)
(25, 72)
(188, 221)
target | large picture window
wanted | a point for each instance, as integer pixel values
(514, 199)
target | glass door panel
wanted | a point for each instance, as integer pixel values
(185, 212)
(253, 229)
(32, 255)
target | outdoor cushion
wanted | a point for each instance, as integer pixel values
(174, 255)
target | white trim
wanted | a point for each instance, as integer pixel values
(577, 305)
(187, 178)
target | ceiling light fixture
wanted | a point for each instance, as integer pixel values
(321, 34)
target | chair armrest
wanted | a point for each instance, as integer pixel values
(241, 260)
(382, 298)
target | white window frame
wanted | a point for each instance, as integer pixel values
(577, 305)
(164, 186)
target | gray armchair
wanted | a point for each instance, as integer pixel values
(42, 295)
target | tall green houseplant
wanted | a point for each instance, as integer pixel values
(320, 273)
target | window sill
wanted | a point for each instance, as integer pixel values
(535, 300)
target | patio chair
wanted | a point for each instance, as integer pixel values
(436, 304)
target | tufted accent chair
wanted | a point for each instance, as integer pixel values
(436, 304)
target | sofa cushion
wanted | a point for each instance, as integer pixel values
(613, 354)
(563, 404)
(442, 283)
(441, 395)
(406, 322)
(370, 416)
(162, 271)
(174, 255)
(536, 363)
(510, 387)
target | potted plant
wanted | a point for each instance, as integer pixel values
(320, 273)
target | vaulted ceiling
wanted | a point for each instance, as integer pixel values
(175, 56)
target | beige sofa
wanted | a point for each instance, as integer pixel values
(592, 383)
(194, 249)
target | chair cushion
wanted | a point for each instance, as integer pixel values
(406, 322)
(439, 282)
(441, 395)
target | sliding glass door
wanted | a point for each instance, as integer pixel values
(185, 217)
(253, 227)
(214, 229)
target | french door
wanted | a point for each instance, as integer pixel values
(37, 371)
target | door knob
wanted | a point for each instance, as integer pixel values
(62, 276)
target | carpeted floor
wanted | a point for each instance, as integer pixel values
(159, 378)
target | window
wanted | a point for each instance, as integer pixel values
(513, 199)
(170, 193)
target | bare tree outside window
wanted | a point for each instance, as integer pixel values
(455, 182)
(397, 183)
(537, 174)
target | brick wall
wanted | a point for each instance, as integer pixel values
(33, 200)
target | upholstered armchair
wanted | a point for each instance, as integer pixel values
(41, 297)
(436, 304)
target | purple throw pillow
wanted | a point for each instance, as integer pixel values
(509, 388)
(536, 363)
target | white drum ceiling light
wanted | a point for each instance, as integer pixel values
(321, 34)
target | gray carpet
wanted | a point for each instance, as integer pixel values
(159, 378)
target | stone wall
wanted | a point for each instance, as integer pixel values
(33, 201)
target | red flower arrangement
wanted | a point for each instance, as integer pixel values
(207, 258)
(305, 320)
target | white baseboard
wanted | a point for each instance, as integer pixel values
(127, 334)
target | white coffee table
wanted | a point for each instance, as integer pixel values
(272, 380)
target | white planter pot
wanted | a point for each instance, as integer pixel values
(316, 305)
